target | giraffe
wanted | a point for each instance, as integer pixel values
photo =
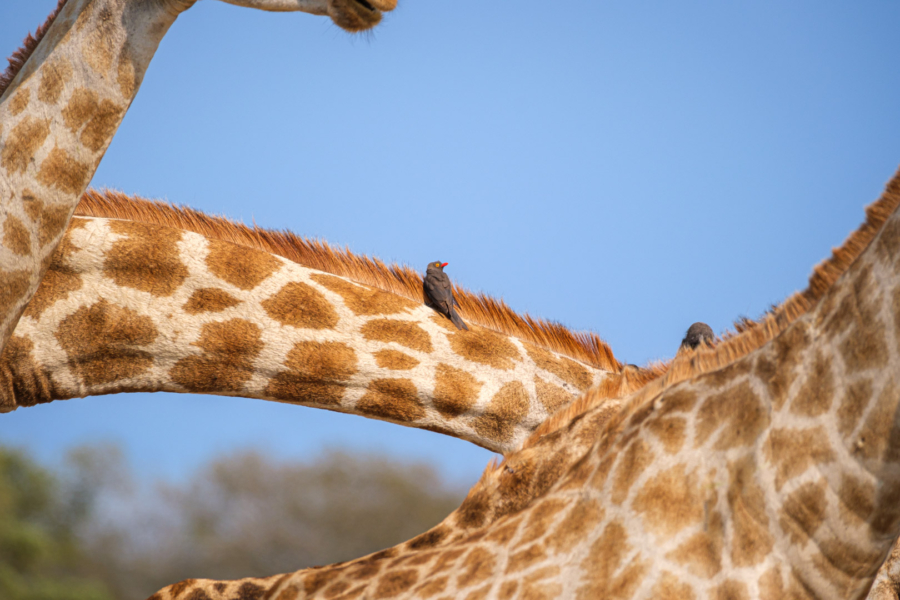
(62, 100)
(766, 467)
(145, 304)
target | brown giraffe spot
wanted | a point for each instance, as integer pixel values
(16, 237)
(542, 516)
(317, 580)
(770, 584)
(209, 300)
(670, 501)
(853, 405)
(302, 306)
(226, 364)
(23, 142)
(485, 347)
(503, 534)
(447, 561)
(632, 462)
(508, 589)
(63, 172)
(405, 333)
(566, 369)
(242, 267)
(60, 279)
(865, 347)
(888, 241)
(145, 258)
(54, 77)
(179, 588)
(793, 451)
(552, 397)
(99, 119)
(197, 594)
(362, 300)
(604, 560)
(669, 587)
(316, 372)
(730, 590)
(102, 342)
(857, 496)
(525, 558)
(53, 221)
(701, 553)
(777, 367)
(432, 587)
(879, 438)
(127, 72)
(396, 582)
(443, 322)
(97, 48)
(33, 206)
(474, 509)
(455, 391)
(542, 585)
(249, 591)
(477, 566)
(394, 360)
(843, 564)
(394, 399)
(752, 540)
(739, 413)
(584, 516)
(19, 101)
(507, 408)
(220, 587)
(15, 284)
(670, 431)
(428, 539)
(292, 592)
(804, 511)
(337, 589)
(680, 399)
(816, 393)
(887, 509)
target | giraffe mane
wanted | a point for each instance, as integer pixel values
(403, 280)
(749, 335)
(18, 58)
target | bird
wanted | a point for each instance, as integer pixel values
(439, 294)
(696, 334)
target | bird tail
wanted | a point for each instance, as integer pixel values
(460, 324)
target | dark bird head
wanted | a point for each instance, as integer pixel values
(696, 334)
(437, 265)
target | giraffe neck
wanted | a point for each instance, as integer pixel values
(777, 475)
(129, 306)
(57, 118)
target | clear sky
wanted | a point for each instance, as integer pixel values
(624, 167)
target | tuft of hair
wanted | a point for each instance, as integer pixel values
(486, 311)
(749, 335)
(18, 58)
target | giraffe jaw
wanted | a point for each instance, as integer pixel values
(358, 15)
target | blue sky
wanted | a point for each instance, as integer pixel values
(628, 168)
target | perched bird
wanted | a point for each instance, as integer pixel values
(697, 334)
(439, 294)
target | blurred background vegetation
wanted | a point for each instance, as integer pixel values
(89, 530)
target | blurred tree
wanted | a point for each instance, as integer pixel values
(39, 553)
(247, 514)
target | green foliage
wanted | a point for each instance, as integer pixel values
(39, 555)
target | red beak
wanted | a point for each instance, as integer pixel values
(444, 265)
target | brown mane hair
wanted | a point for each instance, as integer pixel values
(18, 58)
(398, 279)
(749, 335)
